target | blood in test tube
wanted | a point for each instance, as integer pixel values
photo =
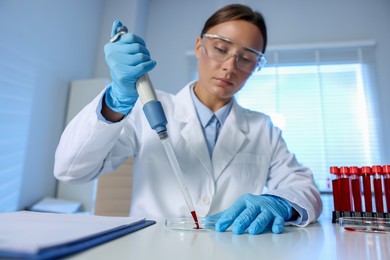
(377, 172)
(366, 172)
(335, 171)
(345, 189)
(356, 188)
(386, 180)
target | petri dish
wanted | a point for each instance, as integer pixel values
(365, 224)
(188, 224)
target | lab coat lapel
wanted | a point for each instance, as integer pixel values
(192, 132)
(193, 135)
(231, 138)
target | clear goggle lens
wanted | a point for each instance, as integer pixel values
(221, 49)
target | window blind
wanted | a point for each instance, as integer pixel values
(16, 94)
(322, 99)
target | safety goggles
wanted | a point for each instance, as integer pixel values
(221, 49)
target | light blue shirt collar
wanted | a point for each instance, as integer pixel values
(205, 114)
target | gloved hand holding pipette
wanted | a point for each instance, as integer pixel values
(153, 109)
(128, 59)
(255, 213)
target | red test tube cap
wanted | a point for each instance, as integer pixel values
(377, 169)
(366, 170)
(354, 170)
(344, 170)
(334, 170)
(386, 168)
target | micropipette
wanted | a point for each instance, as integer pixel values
(155, 115)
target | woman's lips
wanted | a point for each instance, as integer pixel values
(223, 82)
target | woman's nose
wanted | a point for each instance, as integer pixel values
(230, 64)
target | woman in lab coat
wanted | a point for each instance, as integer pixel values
(248, 180)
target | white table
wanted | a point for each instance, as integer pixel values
(322, 240)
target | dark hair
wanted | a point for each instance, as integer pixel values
(237, 12)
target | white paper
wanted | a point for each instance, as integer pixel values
(26, 231)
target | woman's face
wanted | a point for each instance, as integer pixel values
(219, 81)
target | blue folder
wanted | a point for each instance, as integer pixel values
(76, 246)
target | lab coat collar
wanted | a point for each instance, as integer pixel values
(226, 148)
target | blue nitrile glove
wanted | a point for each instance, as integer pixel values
(255, 213)
(127, 59)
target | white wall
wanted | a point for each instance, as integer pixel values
(60, 38)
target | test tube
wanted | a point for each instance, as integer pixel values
(335, 172)
(345, 189)
(386, 180)
(366, 172)
(356, 188)
(377, 172)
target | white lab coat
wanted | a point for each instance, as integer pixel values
(250, 156)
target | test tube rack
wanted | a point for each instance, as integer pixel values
(356, 188)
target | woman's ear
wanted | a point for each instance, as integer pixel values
(198, 47)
